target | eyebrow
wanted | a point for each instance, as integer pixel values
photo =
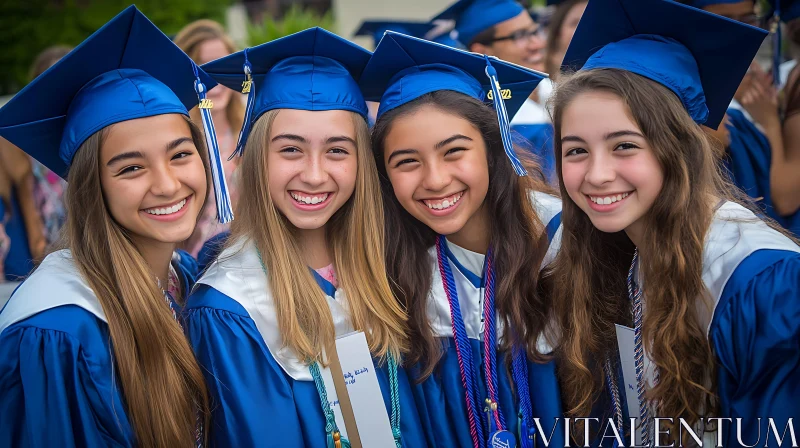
(609, 136)
(449, 140)
(292, 137)
(339, 139)
(401, 152)
(139, 155)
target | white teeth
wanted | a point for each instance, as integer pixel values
(445, 204)
(168, 210)
(309, 199)
(606, 200)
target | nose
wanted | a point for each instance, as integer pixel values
(437, 177)
(165, 181)
(314, 173)
(601, 170)
(536, 42)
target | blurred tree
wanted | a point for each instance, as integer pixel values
(294, 20)
(29, 26)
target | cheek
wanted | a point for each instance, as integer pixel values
(403, 184)
(123, 198)
(573, 175)
(643, 173)
(194, 176)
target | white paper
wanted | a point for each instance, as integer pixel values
(364, 391)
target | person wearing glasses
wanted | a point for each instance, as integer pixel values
(505, 29)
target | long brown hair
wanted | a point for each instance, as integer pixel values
(515, 239)
(589, 291)
(162, 384)
(554, 45)
(356, 239)
(190, 39)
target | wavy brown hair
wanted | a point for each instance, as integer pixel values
(589, 290)
(355, 237)
(516, 239)
(161, 381)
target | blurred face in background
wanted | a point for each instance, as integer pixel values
(518, 40)
(208, 51)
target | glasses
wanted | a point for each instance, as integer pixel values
(519, 37)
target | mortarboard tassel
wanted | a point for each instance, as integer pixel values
(502, 118)
(250, 89)
(224, 209)
(777, 45)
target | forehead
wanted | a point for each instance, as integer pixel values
(212, 49)
(144, 134)
(596, 113)
(427, 126)
(313, 124)
(522, 21)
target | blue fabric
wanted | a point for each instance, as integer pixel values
(127, 69)
(211, 249)
(254, 401)
(443, 411)
(18, 262)
(756, 337)
(403, 68)
(58, 381)
(475, 16)
(310, 70)
(552, 226)
(540, 138)
(722, 49)
(326, 286)
(477, 281)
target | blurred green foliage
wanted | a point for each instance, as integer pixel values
(296, 19)
(29, 26)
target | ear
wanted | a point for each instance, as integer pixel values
(481, 49)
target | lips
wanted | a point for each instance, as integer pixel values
(443, 203)
(608, 199)
(167, 209)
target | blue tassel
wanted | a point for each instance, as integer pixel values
(777, 45)
(249, 88)
(224, 209)
(525, 434)
(502, 118)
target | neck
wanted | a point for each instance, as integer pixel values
(534, 95)
(314, 247)
(634, 232)
(158, 256)
(474, 236)
(220, 117)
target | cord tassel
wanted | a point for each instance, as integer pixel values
(502, 118)
(249, 88)
(224, 208)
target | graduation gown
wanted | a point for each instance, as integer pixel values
(57, 373)
(18, 262)
(752, 274)
(262, 393)
(441, 397)
(533, 124)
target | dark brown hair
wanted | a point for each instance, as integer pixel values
(515, 239)
(553, 45)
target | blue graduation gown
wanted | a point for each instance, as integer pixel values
(752, 274)
(441, 397)
(56, 371)
(533, 124)
(749, 165)
(262, 394)
(18, 262)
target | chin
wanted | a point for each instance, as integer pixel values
(609, 225)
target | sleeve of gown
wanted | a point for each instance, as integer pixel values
(48, 397)
(251, 398)
(756, 337)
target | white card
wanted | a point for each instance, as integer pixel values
(364, 392)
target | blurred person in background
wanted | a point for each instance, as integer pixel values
(204, 41)
(560, 30)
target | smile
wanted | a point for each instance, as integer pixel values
(168, 210)
(606, 200)
(443, 203)
(309, 199)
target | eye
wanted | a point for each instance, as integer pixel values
(627, 145)
(338, 151)
(575, 152)
(455, 150)
(405, 162)
(182, 155)
(129, 169)
(290, 150)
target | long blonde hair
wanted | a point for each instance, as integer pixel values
(190, 39)
(161, 381)
(356, 239)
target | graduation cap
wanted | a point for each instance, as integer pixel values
(475, 16)
(403, 68)
(310, 70)
(376, 28)
(700, 56)
(128, 69)
(782, 11)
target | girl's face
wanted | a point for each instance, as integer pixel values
(311, 164)
(437, 164)
(609, 169)
(208, 51)
(153, 178)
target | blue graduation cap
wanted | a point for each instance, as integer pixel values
(376, 28)
(128, 69)
(700, 56)
(782, 11)
(475, 16)
(404, 68)
(310, 70)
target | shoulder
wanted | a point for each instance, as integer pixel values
(546, 205)
(237, 273)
